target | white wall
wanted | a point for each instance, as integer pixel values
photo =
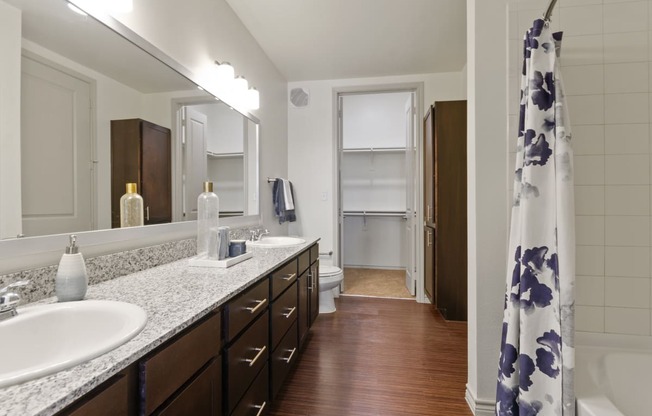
(374, 120)
(209, 30)
(605, 64)
(312, 147)
(487, 195)
(10, 196)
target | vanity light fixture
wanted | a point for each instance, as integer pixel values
(225, 73)
(120, 6)
(252, 99)
(240, 86)
(236, 89)
(101, 6)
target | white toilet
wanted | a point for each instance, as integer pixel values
(330, 278)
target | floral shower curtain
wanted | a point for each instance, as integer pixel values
(536, 363)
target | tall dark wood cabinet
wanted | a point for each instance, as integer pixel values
(445, 240)
(141, 152)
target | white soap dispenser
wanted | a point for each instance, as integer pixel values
(71, 281)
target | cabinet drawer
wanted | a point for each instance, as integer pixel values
(314, 253)
(283, 278)
(256, 401)
(282, 358)
(166, 370)
(202, 397)
(284, 313)
(246, 357)
(242, 310)
(115, 397)
(304, 261)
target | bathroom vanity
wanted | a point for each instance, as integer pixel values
(217, 341)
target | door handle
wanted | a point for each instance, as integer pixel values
(428, 238)
(293, 350)
(428, 218)
(147, 213)
(288, 277)
(251, 361)
(253, 310)
(287, 315)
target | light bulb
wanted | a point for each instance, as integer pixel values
(252, 99)
(120, 6)
(240, 86)
(225, 73)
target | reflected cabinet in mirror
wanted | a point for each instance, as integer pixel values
(95, 112)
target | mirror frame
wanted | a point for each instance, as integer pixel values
(39, 251)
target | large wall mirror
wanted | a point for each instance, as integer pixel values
(83, 89)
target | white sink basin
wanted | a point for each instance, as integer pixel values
(280, 241)
(44, 339)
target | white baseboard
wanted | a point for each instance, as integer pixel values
(479, 407)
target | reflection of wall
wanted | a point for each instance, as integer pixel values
(10, 198)
(227, 174)
(225, 128)
(114, 101)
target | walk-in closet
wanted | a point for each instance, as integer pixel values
(377, 157)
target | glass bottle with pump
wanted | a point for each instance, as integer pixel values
(131, 207)
(208, 208)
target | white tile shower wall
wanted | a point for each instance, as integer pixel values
(606, 61)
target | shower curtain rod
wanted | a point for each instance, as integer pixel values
(551, 6)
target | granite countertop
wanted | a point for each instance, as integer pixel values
(174, 296)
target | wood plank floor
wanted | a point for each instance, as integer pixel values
(379, 357)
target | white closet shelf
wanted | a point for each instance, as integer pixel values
(373, 149)
(375, 214)
(224, 155)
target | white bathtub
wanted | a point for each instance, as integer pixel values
(614, 378)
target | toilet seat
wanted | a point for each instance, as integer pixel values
(329, 278)
(326, 271)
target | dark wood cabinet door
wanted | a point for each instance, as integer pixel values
(429, 263)
(202, 397)
(450, 209)
(115, 397)
(314, 291)
(141, 152)
(429, 167)
(304, 305)
(156, 173)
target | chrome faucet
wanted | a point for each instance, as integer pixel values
(256, 235)
(9, 300)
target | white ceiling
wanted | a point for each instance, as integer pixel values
(333, 39)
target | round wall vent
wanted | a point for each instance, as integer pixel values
(299, 97)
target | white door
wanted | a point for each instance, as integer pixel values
(410, 175)
(56, 147)
(194, 160)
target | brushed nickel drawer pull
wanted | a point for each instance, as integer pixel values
(287, 315)
(310, 280)
(291, 355)
(261, 407)
(289, 277)
(251, 361)
(255, 308)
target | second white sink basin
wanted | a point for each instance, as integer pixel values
(44, 339)
(277, 241)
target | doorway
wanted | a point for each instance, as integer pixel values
(378, 171)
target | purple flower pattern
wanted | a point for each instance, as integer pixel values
(530, 364)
